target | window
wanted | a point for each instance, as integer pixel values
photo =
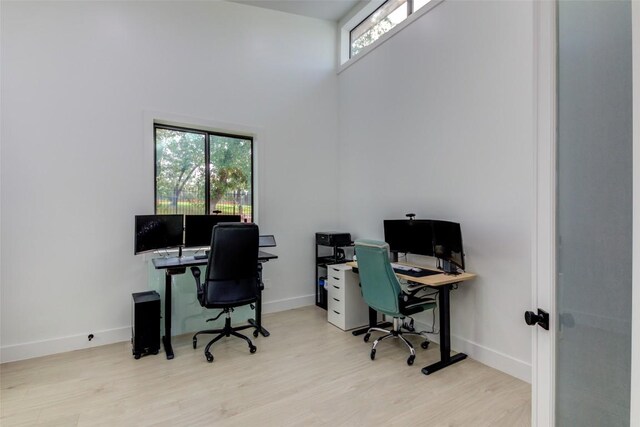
(202, 172)
(383, 19)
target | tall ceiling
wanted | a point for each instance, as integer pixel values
(330, 10)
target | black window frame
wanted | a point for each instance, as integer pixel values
(207, 164)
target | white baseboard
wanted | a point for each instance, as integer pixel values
(12, 353)
(493, 358)
(29, 350)
(288, 303)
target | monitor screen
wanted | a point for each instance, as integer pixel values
(409, 236)
(198, 228)
(267, 241)
(157, 232)
(447, 242)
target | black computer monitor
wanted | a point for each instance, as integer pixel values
(447, 245)
(198, 228)
(409, 236)
(157, 232)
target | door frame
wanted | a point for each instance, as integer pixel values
(543, 251)
(635, 311)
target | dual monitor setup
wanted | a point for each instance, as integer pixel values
(153, 232)
(427, 237)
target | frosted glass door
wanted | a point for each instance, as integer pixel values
(594, 214)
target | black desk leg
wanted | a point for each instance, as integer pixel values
(373, 323)
(257, 323)
(445, 334)
(166, 339)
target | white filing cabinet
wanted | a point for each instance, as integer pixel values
(345, 307)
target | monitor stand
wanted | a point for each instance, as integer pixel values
(449, 268)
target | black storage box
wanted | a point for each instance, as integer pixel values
(333, 238)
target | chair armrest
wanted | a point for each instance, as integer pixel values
(260, 283)
(410, 303)
(196, 275)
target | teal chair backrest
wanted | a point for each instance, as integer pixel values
(380, 286)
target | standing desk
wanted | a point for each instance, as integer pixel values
(178, 265)
(443, 283)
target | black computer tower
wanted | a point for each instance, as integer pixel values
(145, 325)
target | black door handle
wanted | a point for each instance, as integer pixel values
(542, 318)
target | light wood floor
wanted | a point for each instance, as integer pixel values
(306, 373)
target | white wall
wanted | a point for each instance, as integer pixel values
(76, 80)
(438, 121)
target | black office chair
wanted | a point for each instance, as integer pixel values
(231, 278)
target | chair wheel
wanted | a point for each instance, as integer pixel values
(209, 357)
(373, 353)
(136, 356)
(155, 351)
(366, 337)
(255, 333)
(195, 342)
(409, 326)
(411, 359)
(424, 344)
(252, 349)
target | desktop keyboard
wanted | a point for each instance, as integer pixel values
(412, 271)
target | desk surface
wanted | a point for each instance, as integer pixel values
(188, 261)
(433, 280)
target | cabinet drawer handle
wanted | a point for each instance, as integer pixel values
(337, 287)
(337, 278)
(336, 299)
(335, 312)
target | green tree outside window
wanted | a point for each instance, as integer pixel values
(181, 173)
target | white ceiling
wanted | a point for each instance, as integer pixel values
(330, 10)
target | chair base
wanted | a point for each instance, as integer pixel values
(226, 331)
(396, 332)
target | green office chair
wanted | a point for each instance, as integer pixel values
(382, 292)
